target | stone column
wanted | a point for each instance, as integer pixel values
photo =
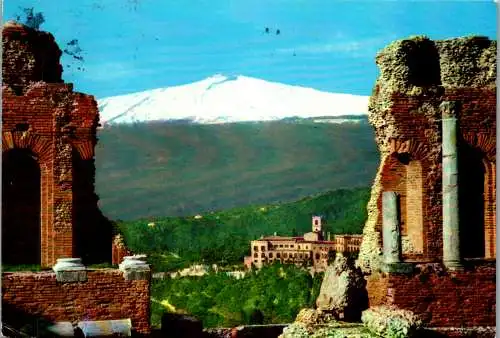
(451, 230)
(391, 236)
(135, 268)
(390, 228)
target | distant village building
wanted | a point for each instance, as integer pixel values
(310, 248)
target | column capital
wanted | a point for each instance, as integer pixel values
(449, 109)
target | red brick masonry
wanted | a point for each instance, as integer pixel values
(443, 299)
(119, 250)
(105, 295)
(420, 196)
(45, 122)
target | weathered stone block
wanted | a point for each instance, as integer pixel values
(62, 329)
(103, 328)
(343, 290)
(70, 270)
(135, 268)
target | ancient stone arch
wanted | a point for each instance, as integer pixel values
(408, 120)
(403, 173)
(41, 114)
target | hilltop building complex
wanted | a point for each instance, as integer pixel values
(310, 249)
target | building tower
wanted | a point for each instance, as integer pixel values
(316, 224)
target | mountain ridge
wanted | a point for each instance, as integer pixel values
(228, 99)
(168, 169)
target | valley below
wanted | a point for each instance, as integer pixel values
(157, 169)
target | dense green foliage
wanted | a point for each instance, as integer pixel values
(274, 294)
(21, 267)
(162, 169)
(224, 237)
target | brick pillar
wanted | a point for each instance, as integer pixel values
(63, 202)
(451, 230)
(63, 222)
(119, 250)
(46, 215)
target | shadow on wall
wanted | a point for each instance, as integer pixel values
(23, 323)
(92, 230)
(20, 207)
(183, 326)
(21, 211)
(179, 326)
(471, 199)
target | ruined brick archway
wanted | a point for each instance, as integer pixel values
(453, 118)
(21, 212)
(41, 114)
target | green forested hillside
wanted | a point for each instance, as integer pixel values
(274, 295)
(223, 237)
(167, 169)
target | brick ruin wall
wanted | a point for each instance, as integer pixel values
(416, 76)
(119, 250)
(443, 299)
(105, 295)
(48, 140)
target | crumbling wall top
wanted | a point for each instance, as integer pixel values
(421, 62)
(29, 56)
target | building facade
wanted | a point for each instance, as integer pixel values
(310, 249)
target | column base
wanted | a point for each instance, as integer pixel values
(397, 267)
(453, 265)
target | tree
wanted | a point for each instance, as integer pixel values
(34, 20)
(30, 18)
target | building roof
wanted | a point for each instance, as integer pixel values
(280, 238)
(295, 239)
(317, 242)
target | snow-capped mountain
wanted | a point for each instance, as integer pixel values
(225, 99)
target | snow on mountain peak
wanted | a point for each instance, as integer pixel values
(223, 99)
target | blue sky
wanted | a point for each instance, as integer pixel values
(135, 45)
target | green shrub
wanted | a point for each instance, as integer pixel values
(21, 267)
(273, 295)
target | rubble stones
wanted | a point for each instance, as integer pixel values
(343, 290)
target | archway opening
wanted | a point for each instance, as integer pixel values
(21, 191)
(471, 173)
